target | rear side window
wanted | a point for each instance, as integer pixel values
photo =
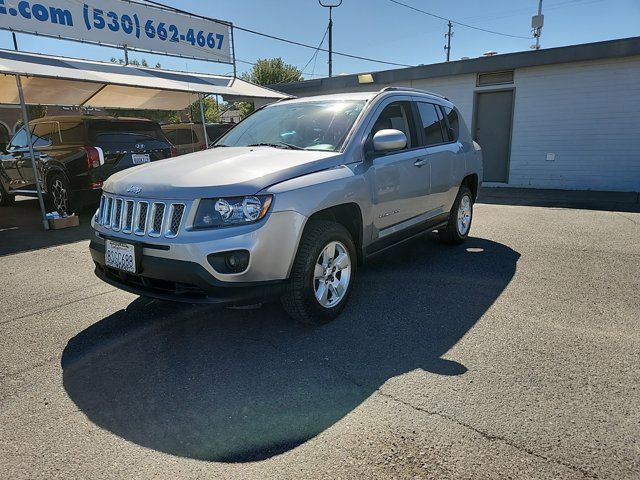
(45, 133)
(104, 131)
(172, 136)
(72, 132)
(431, 123)
(453, 132)
(186, 137)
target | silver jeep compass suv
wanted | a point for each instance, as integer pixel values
(290, 201)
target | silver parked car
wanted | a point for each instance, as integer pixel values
(290, 202)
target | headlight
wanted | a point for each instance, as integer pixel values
(223, 212)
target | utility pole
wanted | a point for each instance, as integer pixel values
(537, 22)
(447, 47)
(330, 6)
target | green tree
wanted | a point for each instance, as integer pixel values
(211, 111)
(34, 112)
(271, 71)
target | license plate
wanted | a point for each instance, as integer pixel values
(140, 158)
(121, 256)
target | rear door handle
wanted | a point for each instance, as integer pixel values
(421, 161)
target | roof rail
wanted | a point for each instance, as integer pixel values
(410, 89)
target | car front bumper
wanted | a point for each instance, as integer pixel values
(178, 269)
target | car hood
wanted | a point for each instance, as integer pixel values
(223, 171)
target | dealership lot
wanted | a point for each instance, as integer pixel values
(513, 356)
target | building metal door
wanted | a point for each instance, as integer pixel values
(492, 130)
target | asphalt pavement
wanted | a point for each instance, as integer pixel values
(513, 356)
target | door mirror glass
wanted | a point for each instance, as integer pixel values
(388, 140)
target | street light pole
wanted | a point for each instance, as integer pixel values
(330, 6)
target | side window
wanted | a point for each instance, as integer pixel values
(431, 123)
(45, 133)
(184, 136)
(398, 116)
(72, 133)
(19, 140)
(172, 136)
(454, 124)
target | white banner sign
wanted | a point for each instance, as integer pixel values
(119, 23)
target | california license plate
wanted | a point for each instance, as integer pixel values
(121, 256)
(140, 158)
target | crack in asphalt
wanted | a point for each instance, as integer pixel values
(54, 307)
(488, 436)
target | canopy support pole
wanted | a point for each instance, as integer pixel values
(36, 174)
(204, 125)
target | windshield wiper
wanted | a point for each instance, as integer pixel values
(287, 146)
(219, 145)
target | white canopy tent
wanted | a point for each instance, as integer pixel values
(27, 78)
(50, 80)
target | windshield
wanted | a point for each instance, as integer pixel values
(320, 125)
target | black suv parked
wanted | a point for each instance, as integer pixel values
(75, 154)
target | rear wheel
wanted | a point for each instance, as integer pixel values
(322, 274)
(6, 199)
(459, 224)
(59, 193)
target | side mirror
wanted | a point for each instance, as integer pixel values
(388, 140)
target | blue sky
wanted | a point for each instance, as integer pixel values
(380, 29)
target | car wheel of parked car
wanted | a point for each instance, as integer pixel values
(322, 273)
(59, 193)
(460, 217)
(6, 200)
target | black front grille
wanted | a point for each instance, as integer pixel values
(154, 285)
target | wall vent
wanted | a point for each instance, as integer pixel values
(494, 78)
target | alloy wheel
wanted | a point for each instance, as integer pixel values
(464, 215)
(59, 195)
(332, 274)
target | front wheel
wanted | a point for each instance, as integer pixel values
(459, 224)
(322, 274)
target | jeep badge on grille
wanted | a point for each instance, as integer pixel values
(135, 189)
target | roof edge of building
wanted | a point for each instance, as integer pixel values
(618, 48)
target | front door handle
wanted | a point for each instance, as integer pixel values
(420, 161)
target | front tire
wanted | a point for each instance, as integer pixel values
(322, 275)
(460, 217)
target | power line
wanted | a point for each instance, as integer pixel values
(281, 39)
(456, 22)
(315, 54)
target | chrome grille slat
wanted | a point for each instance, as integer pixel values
(156, 219)
(116, 221)
(175, 219)
(140, 217)
(108, 211)
(127, 225)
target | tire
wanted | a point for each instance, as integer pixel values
(457, 229)
(301, 300)
(59, 196)
(6, 199)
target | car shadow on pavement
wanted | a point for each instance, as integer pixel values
(21, 229)
(245, 385)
